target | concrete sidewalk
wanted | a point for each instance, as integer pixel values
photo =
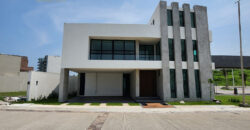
(132, 109)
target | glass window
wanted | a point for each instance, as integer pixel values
(173, 83)
(158, 51)
(112, 49)
(185, 83)
(118, 50)
(171, 49)
(195, 51)
(182, 22)
(96, 49)
(193, 23)
(183, 50)
(197, 83)
(146, 52)
(107, 50)
(129, 50)
(170, 17)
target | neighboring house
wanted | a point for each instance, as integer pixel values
(49, 64)
(230, 62)
(14, 73)
(168, 58)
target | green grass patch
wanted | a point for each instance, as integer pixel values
(12, 94)
(225, 100)
(113, 104)
(134, 104)
(76, 103)
(219, 78)
(95, 104)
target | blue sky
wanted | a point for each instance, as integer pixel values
(34, 28)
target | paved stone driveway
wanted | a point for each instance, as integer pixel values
(19, 120)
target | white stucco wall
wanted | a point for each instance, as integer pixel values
(76, 41)
(54, 64)
(47, 83)
(103, 84)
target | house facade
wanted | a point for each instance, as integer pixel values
(167, 58)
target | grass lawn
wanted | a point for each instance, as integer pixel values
(76, 103)
(113, 104)
(12, 94)
(225, 100)
(95, 104)
(134, 104)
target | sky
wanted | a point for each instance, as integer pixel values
(34, 28)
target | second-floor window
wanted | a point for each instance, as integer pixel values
(112, 49)
(171, 49)
(170, 17)
(182, 22)
(193, 23)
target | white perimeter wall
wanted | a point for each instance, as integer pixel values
(47, 83)
(104, 84)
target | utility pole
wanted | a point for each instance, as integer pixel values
(241, 57)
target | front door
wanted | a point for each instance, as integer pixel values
(147, 83)
(82, 84)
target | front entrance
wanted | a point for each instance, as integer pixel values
(82, 84)
(148, 83)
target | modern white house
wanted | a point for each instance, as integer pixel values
(167, 58)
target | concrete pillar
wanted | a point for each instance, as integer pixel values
(137, 51)
(63, 87)
(189, 45)
(137, 83)
(177, 50)
(204, 53)
(165, 89)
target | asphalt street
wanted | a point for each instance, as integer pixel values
(20, 120)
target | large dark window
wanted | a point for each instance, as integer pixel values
(173, 83)
(193, 23)
(195, 51)
(112, 49)
(183, 50)
(107, 50)
(146, 52)
(197, 83)
(96, 49)
(185, 83)
(129, 50)
(171, 49)
(182, 22)
(158, 51)
(170, 17)
(118, 50)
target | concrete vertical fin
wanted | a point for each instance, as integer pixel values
(164, 51)
(177, 50)
(189, 45)
(204, 54)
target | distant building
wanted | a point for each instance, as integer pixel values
(13, 73)
(230, 62)
(49, 64)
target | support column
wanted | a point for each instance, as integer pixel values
(177, 50)
(189, 45)
(204, 53)
(63, 87)
(164, 52)
(137, 83)
(137, 51)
